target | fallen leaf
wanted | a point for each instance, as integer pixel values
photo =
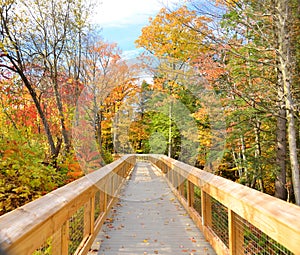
(193, 240)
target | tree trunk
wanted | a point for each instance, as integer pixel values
(237, 162)
(53, 148)
(285, 67)
(99, 129)
(280, 182)
(281, 190)
(170, 130)
(259, 172)
(244, 160)
(65, 133)
(17, 62)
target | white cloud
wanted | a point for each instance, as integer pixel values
(130, 54)
(112, 13)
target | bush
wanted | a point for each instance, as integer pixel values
(23, 175)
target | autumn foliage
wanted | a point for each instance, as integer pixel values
(222, 93)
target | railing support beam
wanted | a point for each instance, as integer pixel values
(236, 235)
(206, 209)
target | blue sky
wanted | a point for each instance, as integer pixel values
(124, 36)
(122, 20)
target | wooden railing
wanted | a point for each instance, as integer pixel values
(67, 220)
(234, 219)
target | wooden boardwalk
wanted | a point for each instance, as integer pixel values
(148, 219)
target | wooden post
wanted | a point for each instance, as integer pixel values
(65, 238)
(206, 209)
(236, 235)
(190, 193)
(56, 243)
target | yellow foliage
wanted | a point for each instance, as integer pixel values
(175, 34)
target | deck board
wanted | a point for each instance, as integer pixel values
(148, 219)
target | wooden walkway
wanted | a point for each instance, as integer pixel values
(148, 219)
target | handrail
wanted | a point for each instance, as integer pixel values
(234, 218)
(67, 220)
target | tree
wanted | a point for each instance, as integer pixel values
(286, 66)
(14, 59)
(109, 81)
(34, 36)
(175, 46)
(254, 34)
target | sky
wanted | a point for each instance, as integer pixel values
(122, 20)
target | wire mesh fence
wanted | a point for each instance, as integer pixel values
(256, 242)
(175, 178)
(220, 220)
(76, 230)
(45, 249)
(197, 200)
(180, 187)
(185, 193)
(97, 205)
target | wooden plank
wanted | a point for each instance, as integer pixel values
(236, 234)
(153, 226)
(190, 193)
(206, 209)
(56, 243)
(215, 242)
(65, 238)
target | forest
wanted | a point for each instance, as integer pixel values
(224, 94)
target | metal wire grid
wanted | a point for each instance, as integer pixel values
(141, 158)
(197, 200)
(257, 242)
(185, 193)
(45, 249)
(176, 181)
(163, 167)
(97, 205)
(76, 230)
(169, 174)
(220, 220)
(181, 183)
(109, 190)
